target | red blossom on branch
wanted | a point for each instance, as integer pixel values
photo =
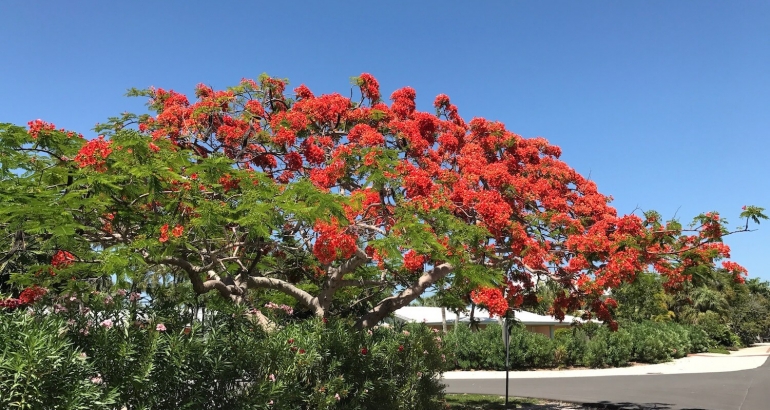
(492, 299)
(163, 233)
(413, 261)
(332, 242)
(62, 259)
(38, 126)
(94, 154)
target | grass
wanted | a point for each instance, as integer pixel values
(720, 350)
(485, 402)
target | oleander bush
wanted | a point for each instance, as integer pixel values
(113, 352)
(41, 369)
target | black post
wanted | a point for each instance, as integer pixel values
(507, 338)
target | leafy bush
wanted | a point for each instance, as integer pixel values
(538, 348)
(477, 350)
(717, 331)
(571, 346)
(39, 369)
(590, 345)
(607, 348)
(655, 342)
(699, 339)
(649, 343)
(146, 357)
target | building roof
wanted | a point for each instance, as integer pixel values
(432, 316)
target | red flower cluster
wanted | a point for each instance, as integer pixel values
(177, 231)
(10, 303)
(492, 299)
(738, 271)
(32, 295)
(413, 261)
(94, 154)
(370, 88)
(229, 183)
(332, 242)
(163, 233)
(38, 126)
(62, 259)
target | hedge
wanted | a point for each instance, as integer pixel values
(590, 345)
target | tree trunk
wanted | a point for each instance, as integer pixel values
(457, 321)
(473, 317)
(443, 319)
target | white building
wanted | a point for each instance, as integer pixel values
(431, 316)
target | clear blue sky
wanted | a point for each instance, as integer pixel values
(666, 104)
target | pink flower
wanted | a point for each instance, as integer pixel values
(337, 396)
(106, 323)
(96, 380)
(285, 308)
(160, 327)
(133, 297)
(121, 292)
(271, 377)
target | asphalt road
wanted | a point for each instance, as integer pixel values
(738, 390)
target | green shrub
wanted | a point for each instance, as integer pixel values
(571, 346)
(655, 342)
(716, 330)
(40, 369)
(538, 350)
(148, 358)
(619, 346)
(590, 345)
(699, 339)
(483, 349)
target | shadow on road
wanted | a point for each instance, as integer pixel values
(629, 406)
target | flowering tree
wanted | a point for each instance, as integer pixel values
(312, 196)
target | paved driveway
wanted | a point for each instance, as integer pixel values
(729, 390)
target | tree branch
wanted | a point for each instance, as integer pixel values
(388, 305)
(304, 298)
(336, 275)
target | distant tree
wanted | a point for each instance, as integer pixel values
(642, 299)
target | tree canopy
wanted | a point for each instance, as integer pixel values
(347, 205)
